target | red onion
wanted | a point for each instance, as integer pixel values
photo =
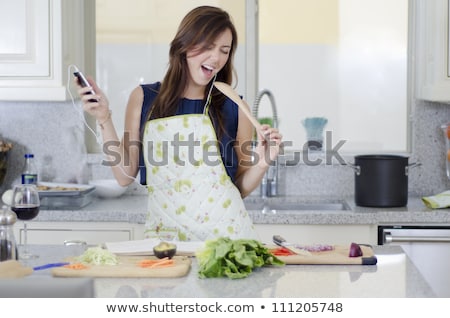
(355, 250)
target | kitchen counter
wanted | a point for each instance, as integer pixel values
(132, 209)
(394, 276)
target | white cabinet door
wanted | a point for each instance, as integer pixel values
(38, 42)
(431, 56)
(92, 233)
(24, 43)
(319, 234)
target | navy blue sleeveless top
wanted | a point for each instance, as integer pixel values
(188, 106)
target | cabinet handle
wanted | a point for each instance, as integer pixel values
(74, 242)
(388, 238)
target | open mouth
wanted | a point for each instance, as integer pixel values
(208, 70)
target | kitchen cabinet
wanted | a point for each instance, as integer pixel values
(431, 50)
(38, 43)
(93, 233)
(319, 234)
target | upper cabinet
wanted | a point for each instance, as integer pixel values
(432, 52)
(39, 40)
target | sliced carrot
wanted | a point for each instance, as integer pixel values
(76, 266)
(152, 263)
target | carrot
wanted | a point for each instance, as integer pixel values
(156, 262)
(76, 266)
(152, 263)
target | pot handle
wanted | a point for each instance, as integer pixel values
(411, 165)
(355, 167)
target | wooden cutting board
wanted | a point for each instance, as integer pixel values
(338, 256)
(127, 268)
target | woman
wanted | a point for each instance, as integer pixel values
(190, 143)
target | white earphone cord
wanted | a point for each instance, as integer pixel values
(81, 114)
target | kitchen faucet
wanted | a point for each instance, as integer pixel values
(269, 184)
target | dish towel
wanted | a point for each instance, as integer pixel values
(438, 201)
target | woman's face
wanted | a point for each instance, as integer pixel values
(204, 63)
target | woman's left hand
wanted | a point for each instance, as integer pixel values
(269, 146)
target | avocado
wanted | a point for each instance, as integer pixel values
(165, 249)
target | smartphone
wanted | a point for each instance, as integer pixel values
(83, 82)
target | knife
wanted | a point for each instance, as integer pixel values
(280, 241)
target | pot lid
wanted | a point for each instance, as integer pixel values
(381, 157)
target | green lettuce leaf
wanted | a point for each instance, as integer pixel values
(224, 257)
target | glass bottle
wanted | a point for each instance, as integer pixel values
(47, 171)
(8, 247)
(29, 174)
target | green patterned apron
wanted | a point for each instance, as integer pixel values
(191, 197)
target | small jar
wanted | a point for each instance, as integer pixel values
(8, 247)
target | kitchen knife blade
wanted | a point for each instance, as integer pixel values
(280, 241)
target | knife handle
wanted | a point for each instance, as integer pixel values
(51, 265)
(277, 239)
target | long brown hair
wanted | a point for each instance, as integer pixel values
(201, 26)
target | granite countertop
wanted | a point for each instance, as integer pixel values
(393, 276)
(132, 209)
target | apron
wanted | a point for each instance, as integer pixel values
(190, 195)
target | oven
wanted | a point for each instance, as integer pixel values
(428, 247)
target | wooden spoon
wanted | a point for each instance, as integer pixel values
(231, 93)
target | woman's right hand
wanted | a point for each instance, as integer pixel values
(96, 105)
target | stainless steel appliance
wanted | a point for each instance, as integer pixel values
(429, 249)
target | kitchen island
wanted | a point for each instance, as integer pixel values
(123, 219)
(393, 276)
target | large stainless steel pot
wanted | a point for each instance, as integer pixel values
(381, 180)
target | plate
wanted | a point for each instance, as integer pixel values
(51, 189)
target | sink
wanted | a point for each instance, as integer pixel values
(275, 205)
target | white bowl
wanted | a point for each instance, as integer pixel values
(108, 188)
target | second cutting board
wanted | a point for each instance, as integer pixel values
(337, 256)
(128, 268)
